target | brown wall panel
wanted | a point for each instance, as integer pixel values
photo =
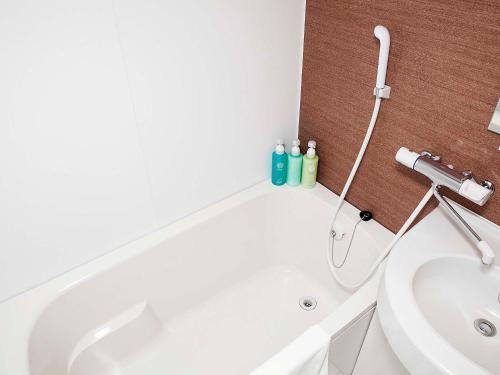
(444, 70)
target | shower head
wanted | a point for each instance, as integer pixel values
(382, 34)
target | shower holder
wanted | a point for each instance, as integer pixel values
(382, 93)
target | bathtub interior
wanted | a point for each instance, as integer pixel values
(221, 296)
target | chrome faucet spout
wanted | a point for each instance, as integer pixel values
(462, 183)
(487, 254)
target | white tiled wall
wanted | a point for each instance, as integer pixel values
(117, 117)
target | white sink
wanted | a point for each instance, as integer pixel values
(452, 292)
(434, 294)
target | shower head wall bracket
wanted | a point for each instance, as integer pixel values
(384, 93)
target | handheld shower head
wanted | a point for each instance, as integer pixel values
(382, 34)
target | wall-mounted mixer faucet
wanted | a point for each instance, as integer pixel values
(462, 183)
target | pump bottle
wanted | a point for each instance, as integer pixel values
(294, 172)
(310, 166)
(279, 164)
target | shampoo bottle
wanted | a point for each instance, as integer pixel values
(310, 166)
(279, 164)
(294, 165)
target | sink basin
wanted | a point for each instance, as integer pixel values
(439, 305)
(452, 293)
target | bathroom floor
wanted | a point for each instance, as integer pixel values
(231, 333)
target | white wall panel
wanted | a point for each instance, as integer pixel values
(117, 117)
(214, 84)
(72, 181)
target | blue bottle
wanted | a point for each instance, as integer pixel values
(280, 162)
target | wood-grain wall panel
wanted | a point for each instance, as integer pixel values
(444, 72)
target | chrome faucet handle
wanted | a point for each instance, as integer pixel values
(468, 174)
(488, 185)
(430, 155)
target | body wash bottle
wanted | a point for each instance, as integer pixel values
(279, 164)
(310, 166)
(294, 165)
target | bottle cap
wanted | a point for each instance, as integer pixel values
(311, 152)
(311, 143)
(295, 147)
(295, 151)
(280, 149)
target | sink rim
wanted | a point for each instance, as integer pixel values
(411, 335)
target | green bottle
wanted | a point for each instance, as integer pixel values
(310, 166)
(294, 172)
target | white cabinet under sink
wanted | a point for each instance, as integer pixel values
(376, 356)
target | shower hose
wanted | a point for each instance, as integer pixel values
(330, 253)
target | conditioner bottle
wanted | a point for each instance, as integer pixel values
(310, 166)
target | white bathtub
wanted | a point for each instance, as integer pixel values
(215, 293)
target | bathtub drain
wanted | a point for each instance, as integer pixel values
(308, 303)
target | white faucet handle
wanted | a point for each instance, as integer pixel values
(488, 256)
(475, 192)
(407, 157)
